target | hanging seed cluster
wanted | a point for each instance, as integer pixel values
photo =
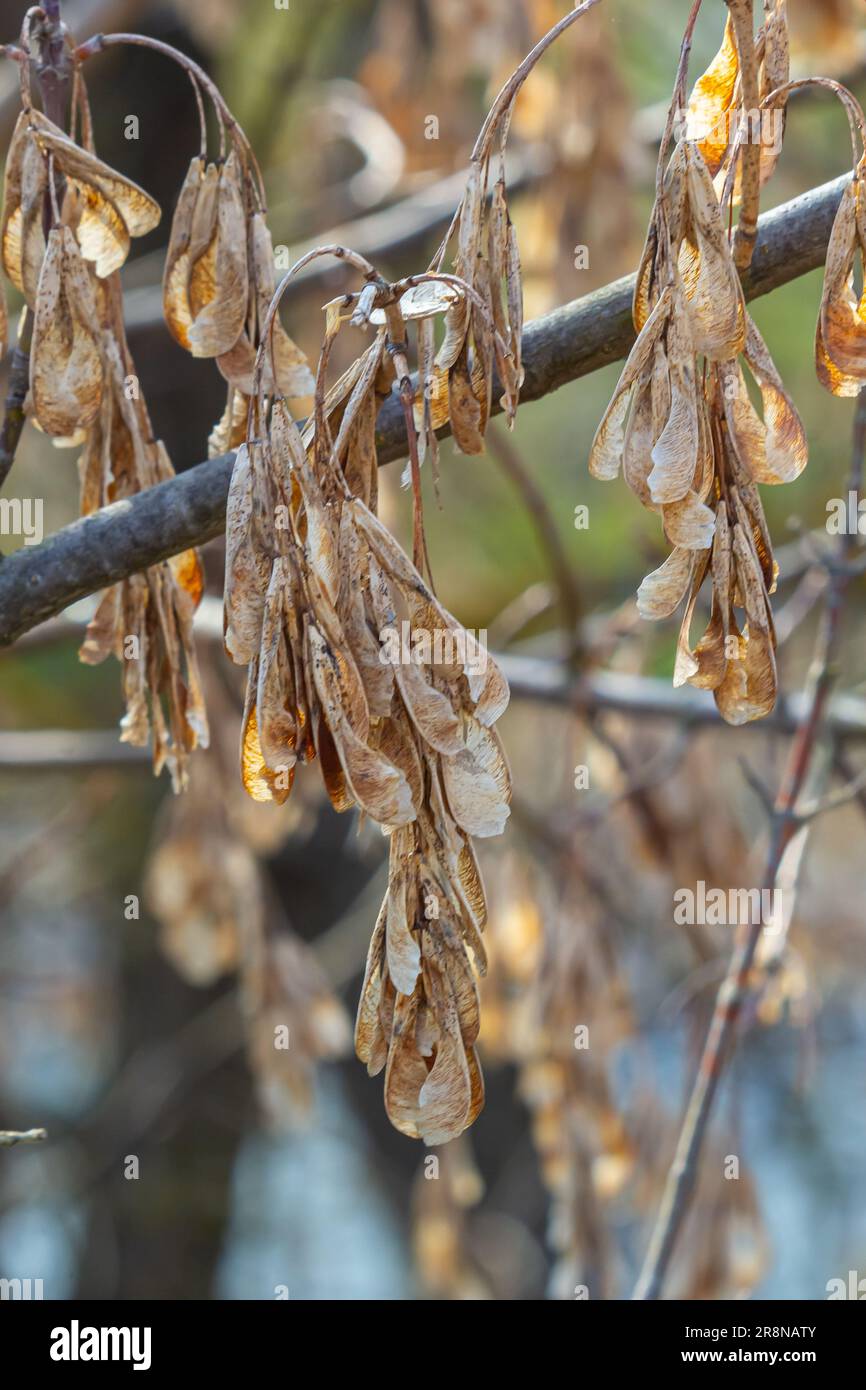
(68, 220)
(312, 581)
(681, 423)
(219, 281)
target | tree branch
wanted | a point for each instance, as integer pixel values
(572, 341)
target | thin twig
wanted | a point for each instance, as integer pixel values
(539, 679)
(510, 461)
(10, 1137)
(742, 20)
(19, 382)
(843, 767)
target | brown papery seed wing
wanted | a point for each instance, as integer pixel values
(841, 337)
(175, 280)
(139, 211)
(662, 591)
(477, 781)
(23, 237)
(65, 361)
(248, 569)
(605, 456)
(378, 786)
(219, 323)
(713, 293)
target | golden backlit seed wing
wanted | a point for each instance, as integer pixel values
(100, 230)
(259, 780)
(23, 237)
(139, 211)
(230, 430)
(110, 208)
(709, 115)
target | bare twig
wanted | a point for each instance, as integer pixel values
(562, 571)
(48, 750)
(539, 679)
(10, 1137)
(743, 22)
(843, 767)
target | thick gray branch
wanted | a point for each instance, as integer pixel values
(37, 582)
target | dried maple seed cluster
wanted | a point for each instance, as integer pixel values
(682, 424)
(68, 220)
(313, 580)
(218, 284)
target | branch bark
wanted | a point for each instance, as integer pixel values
(572, 341)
